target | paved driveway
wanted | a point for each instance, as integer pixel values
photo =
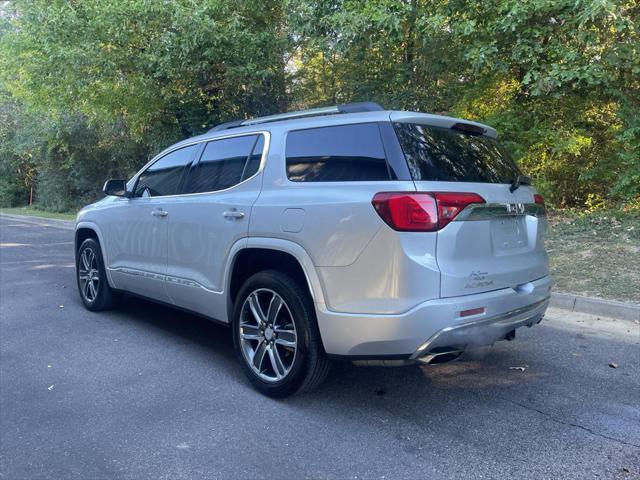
(149, 392)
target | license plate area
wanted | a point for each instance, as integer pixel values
(509, 234)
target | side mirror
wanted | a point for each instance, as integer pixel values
(117, 188)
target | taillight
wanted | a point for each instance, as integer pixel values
(407, 212)
(539, 199)
(450, 204)
(421, 212)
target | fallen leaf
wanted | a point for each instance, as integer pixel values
(613, 365)
(520, 369)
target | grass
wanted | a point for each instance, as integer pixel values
(34, 212)
(596, 255)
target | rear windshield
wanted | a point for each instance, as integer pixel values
(442, 154)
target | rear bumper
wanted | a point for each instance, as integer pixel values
(435, 327)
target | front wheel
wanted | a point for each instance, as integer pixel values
(276, 336)
(93, 286)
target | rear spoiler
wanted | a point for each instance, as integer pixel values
(461, 125)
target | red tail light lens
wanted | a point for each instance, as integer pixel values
(450, 204)
(539, 199)
(407, 212)
(421, 212)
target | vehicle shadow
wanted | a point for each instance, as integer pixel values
(486, 369)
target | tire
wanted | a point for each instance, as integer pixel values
(96, 294)
(284, 370)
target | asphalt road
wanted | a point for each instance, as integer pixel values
(149, 392)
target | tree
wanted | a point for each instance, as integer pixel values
(559, 78)
(146, 72)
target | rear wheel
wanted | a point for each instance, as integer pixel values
(94, 289)
(276, 336)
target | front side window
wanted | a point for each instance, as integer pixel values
(443, 154)
(344, 153)
(163, 176)
(225, 163)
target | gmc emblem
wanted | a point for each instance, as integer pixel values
(515, 208)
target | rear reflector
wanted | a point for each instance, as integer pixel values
(421, 211)
(472, 311)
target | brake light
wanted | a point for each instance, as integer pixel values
(450, 204)
(423, 211)
(539, 199)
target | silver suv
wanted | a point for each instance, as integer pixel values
(347, 232)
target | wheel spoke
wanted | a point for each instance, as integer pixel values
(93, 289)
(286, 343)
(256, 309)
(276, 363)
(85, 289)
(258, 356)
(250, 332)
(274, 308)
(85, 260)
(288, 336)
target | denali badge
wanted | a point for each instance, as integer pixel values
(515, 208)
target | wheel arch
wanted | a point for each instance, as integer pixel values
(271, 254)
(86, 230)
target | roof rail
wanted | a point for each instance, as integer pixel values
(312, 112)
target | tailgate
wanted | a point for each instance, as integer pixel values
(499, 244)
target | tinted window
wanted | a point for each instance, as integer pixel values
(163, 177)
(224, 163)
(443, 154)
(343, 153)
(254, 160)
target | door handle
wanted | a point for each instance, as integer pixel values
(233, 213)
(159, 213)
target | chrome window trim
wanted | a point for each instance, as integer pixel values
(263, 161)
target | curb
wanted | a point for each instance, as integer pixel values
(596, 306)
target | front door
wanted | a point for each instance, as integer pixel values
(137, 228)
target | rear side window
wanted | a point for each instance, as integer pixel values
(442, 154)
(225, 163)
(163, 177)
(345, 153)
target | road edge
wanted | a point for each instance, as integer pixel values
(42, 221)
(596, 306)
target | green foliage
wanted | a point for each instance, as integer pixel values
(558, 78)
(91, 89)
(111, 82)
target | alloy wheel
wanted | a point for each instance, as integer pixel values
(268, 335)
(89, 275)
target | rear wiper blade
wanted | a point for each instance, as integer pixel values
(519, 180)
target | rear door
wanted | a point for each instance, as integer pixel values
(209, 217)
(491, 245)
